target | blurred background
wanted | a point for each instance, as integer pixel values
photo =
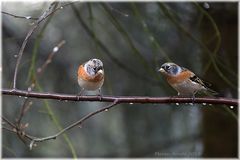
(132, 40)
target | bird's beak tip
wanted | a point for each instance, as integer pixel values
(161, 70)
(100, 71)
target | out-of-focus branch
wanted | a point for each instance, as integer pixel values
(50, 56)
(108, 52)
(121, 99)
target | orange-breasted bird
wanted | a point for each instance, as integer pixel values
(185, 82)
(91, 75)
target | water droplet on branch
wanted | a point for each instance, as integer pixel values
(28, 17)
(55, 49)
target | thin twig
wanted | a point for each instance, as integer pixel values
(22, 17)
(23, 109)
(8, 122)
(50, 56)
(15, 129)
(52, 9)
(78, 123)
(121, 99)
(9, 129)
(30, 32)
(27, 103)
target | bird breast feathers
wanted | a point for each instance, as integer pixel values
(85, 76)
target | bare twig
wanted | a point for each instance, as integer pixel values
(30, 32)
(9, 129)
(15, 129)
(52, 9)
(50, 56)
(78, 123)
(8, 122)
(22, 17)
(122, 99)
(19, 127)
(26, 105)
(21, 134)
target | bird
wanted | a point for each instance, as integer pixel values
(91, 76)
(184, 81)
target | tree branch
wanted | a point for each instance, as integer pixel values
(27, 103)
(51, 10)
(30, 32)
(33, 139)
(21, 17)
(121, 99)
(78, 123)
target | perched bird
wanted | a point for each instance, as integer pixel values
(185, 82)
(91, 75)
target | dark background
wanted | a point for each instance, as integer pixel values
(132, 40)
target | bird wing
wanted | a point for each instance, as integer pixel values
(194, 78)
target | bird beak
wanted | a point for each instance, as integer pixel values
(100, 71)
(161, 70)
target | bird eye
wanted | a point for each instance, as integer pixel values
(167, 67)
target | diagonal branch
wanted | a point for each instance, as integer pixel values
(121, 99)
(50, 11)
(33, 139)
(27, 103)
(77, 123)
(30, 32)
(107, 51)
(8, 122)
(17, 16)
